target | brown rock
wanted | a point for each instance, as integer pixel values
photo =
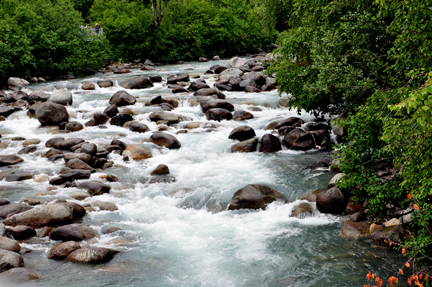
(137, 152)
(73, 232)
(254, 196)
(355, 230)
(92, 255)
(62, 250)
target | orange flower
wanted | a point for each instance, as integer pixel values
(390, 244)
(393, 279)
(407, 265)
(403, 250)
(370, 275)
(415, 206)
(400, 271)
(366, 286)
(409, 196)
(427, 278)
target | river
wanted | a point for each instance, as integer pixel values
(180, 234)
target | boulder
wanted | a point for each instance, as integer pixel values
(13, 208)
(20, 232)
(254, 196)
(9, 244)
(291, 121)
(155, 79)
(242, 133)
(236, 62)
(6, 111)
(209, 92)
(50, 113)
(230, 73)
(27, 150)
(386, 235)
(257, 77)
(10, 160)
(31, 142)
(88, 86)
(9, 259)
(101, 118)
(103, 205)
(62, 250)
(38, 95)
(331, 201)
(137, 152)
(297, 139)
(249, 145)
(120, 119)
(355, 230)
(216, 103)
(179, 89)
(61, 97)
(18, 274)
(111, 111)
(139, 127)
(165, 140)
(250, 89)
(17, 82)
(198, 85)
(73, 232)
(105, 83)
(95, 187)
(139, 82)
(76, 163)
(218, 114)
(242, 115)
(92, 255)
(173, 79)
(161, 169)
(87, 158)
(301, 210)
(164, 116)
(52, 141)
(47, 215)
(270, 143)
(74, 126)
(122, 98)
(68, 144)
(88, 149)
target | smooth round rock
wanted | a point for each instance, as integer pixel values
(137, 152)
(95, 187)
(73, 232)
(62, 97)
(165, 140)
(270, 143)
(62, 250)
(161, 169)
(92, 255)
(242, 133)
(254, 196)
(331, 201)
(18, 274)
(122, 98)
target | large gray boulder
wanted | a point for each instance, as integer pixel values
(139, 82)
(218, 114)
(9, 259)
(48, 215)
(257, 77)
(92, 255)
(270, 143)
(254, 196)
(229, 74)
(50, 113)
(73, 232)
(173, 79)
(6, 111)
(236, 62)
(17, 82)
(331, 201)
(122, 98)
(61, 97)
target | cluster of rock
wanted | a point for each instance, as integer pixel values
(23, 222)
(292, 132)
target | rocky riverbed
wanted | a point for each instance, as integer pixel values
(174, 175)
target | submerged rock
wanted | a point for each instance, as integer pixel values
(73, 232)
(354, 230)
(254, 196)
(19, 274)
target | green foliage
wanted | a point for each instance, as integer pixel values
(39, 38)
(188, 30)
(370, 62)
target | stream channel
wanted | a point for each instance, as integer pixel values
(181, 233)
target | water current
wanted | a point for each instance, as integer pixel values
(180, 234)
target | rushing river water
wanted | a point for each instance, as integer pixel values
(180, 234)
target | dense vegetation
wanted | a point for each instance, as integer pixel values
(45, 37)
(369, 62)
